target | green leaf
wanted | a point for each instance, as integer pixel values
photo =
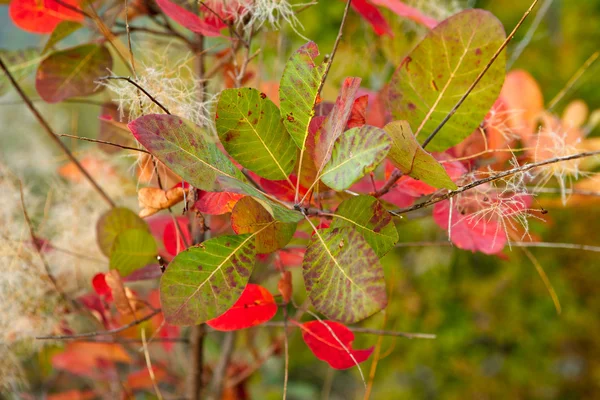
(251, 130)
(62, 30)
(112, 223)
(185, 148)
(249, 216)
(20, 63)
(342, 274)
(132, 249)
(368, 216)
(356, 152)
(298, 91)
(410, 158)
(72, 72)
(203, 282)
(439, 71)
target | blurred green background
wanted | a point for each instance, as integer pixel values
(498, 333)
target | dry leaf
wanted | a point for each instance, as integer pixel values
(124, 299)
(152, 200)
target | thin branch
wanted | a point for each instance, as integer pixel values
(479, 77)
(34, 241)
(103, 142)
(588, 63)
(53, 135)
(335, 47)
(134, 83)
(369, 331)
(218, 377)
(545, 279)
(530, 32)
(546, 245)
(492, 178)
(149, 366)
(100, 333)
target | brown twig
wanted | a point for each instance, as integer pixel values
(545, 245)
(394, 177)
(100, 333)
(481, 74)
(53, 135)
(103, 142)
(335, 47)
(492, 178)
(134, 83)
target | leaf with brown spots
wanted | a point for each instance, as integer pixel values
(252, 132)
(204, 281)
(185, 148)
(355, 153)
(298, 91)
(343, 276)
(250, 216)
(410, 158)
(368, 216)
(439, 71)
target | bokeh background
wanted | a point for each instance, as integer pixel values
(498, 333)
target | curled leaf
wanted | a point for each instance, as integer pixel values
(152, 200)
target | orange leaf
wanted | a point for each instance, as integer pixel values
(141, 379)
(152, 200)
(285, 286)
(83, 358)
(73, 395)
(123, 297)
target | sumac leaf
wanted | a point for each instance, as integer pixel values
(175, 239)
(112, 223)
(252, 132)
(368, 216)
(72, 72)
(343, 276)
(132, 249)
(249, 216)
(410, 158)
(255, 306)
(355, 153)
(185, 148)
(335, 350)
(298, 91)
(204, 281)
(439, 71)
(216, 203)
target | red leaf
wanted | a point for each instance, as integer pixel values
(255, 306)
(42, 16)
(358, 114)
(101, 287)
(216, 203)
(82, 358)
(282, 189)
(158, 322)
(172, 239)
(373, 16)
(73, 395)
(319, 338)
(188, 19)
(475, 234)
(141, 379)
(401, 9)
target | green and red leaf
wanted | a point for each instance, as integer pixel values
(343, 276)
(42, 16)
(72, 72)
